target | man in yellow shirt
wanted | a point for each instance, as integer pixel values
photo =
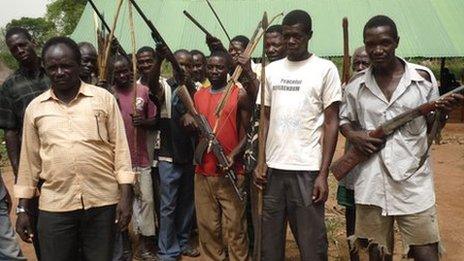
(73, 141)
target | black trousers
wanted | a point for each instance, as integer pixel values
(34, 215)
(288, 197)
(61, 234)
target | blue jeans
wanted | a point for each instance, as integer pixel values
(176, 208)
(9, 247)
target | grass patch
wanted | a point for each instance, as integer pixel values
(335, 224)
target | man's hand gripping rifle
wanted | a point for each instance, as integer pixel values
(354, 156)
(210, 140)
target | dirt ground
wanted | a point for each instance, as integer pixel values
(448, 165)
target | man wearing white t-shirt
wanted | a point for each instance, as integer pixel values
(303, 93)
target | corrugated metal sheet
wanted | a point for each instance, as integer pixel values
(427, 28)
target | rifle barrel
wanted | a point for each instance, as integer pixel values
(102, 19)
(137, 7)
(158, 38)
(196, 23)
(99, 15)
(218, 19)
(155, 34)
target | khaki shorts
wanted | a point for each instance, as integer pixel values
(415, 229)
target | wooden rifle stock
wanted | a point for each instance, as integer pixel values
(353, 157)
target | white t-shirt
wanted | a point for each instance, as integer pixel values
(298, 93)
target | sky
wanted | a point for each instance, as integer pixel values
(15, 9)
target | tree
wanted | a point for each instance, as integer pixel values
(65, 14)
(5, 55)
(61, 18)
(39, 28)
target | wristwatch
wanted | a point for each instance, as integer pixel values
(444, 117)
(21, 209)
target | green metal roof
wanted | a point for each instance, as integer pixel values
(427, 28)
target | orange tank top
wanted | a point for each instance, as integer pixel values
(227, 131)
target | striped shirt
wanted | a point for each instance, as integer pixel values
(16, 93)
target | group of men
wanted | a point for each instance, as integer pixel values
(82, 154)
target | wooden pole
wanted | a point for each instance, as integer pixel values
(261, 146)
(259, 32)
(134, 76)
(442, 67)
(346, 53)
(134, 59)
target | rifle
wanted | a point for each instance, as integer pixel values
(184, 95)
(354, 156)
(210, 139)
(102, 19)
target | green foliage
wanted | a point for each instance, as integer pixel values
(8, 60)
(61, 18)
(65, 14)
(39, 28)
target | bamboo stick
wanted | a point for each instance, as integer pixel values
(104, 73)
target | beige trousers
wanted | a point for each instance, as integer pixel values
(221, 219)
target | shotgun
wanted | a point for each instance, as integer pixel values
(353, 156)
(209, 139)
